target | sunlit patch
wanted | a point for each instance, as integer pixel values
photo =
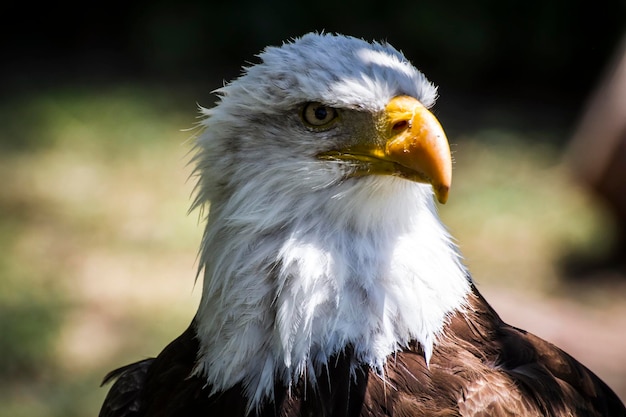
(384, 59)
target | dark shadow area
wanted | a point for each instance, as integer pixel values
(529, 54)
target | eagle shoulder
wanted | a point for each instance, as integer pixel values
(158, 386)
(482, 366)
(123, 399)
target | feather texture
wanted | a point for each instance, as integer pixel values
(298, 260)
(482, 367)
(330, 294)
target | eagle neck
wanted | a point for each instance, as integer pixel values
(279, 302)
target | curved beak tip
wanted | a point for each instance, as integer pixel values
(441, 192)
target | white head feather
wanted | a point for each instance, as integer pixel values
(300, 262)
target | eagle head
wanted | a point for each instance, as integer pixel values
(320, 164)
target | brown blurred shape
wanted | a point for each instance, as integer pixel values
(597, 153)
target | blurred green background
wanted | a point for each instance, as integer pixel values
(97, 109)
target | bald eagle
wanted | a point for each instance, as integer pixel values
(331, 287)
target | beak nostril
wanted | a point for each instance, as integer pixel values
(401, 125)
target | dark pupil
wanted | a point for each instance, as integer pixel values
(321, 113)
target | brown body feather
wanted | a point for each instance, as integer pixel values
(480, 367)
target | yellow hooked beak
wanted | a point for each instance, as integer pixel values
(411, 144)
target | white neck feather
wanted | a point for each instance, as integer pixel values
(291, 279)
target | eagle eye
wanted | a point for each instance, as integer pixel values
(318, 114)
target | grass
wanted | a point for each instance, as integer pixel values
(97, 255)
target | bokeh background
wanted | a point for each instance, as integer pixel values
(98, 107)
